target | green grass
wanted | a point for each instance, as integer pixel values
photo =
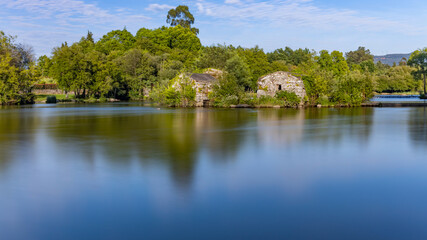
(42, 97)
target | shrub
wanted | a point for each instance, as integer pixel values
(290, 98)
(91, 100)
(269, 101)
(324, 100)
(227, 92)
(172, 97)
(187, 94)
(51, 99)
(26, 98)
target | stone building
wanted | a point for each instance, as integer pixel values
(202, 83)
(269, 85)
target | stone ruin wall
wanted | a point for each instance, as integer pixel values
(270, 84)
(202, 92)
(50, 91)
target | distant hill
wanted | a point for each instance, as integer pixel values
(389, 59)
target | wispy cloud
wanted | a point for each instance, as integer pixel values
(46, 23)
(158, 7)
(302, 13)
(232, 1)
(66, 12)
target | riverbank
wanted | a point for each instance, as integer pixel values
(61, 98)
(395, 104)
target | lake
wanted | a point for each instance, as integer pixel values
(131, 171)
(398, 98)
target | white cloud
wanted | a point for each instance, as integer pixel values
(158, 7)
(46, 23)
(66, 12)
(204, 10)
(232, 1)
(301, 13)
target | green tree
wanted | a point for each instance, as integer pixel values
(117, 40)
(340, 66)
(17, 71)
(44, 65)
(63, 69)
(257, 61)
(395, 79)
(238, 69)
(360, 55)
(182, 16)
(297, 57)
(325, 60)
(165, 38)
(139, 70)
(227, 92)
(418, 59)
(215, 56)
(368, 66)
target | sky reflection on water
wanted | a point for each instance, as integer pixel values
(131, 171)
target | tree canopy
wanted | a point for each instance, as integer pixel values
(182, 16)
(418, 59)
(18, 72)
(358, 56)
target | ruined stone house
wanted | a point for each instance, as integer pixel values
(269, 85)
(202, 83)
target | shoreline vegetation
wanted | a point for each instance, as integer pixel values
(121, 66)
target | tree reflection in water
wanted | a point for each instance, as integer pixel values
(173, 137)
(417, 125)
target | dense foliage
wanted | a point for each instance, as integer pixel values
(17, 71)
(418, 59)
(124, 66)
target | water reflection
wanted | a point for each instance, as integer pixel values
(330, 126)
(17, 128)
(281, 127)
(173, 137)
(417, 122)
(132, 171)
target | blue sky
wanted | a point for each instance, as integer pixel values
(384, 26)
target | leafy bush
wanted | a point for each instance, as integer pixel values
(91, 100)
(51, 99)
(352, 89)
(187, 94)
(226, 92)
(269, 101)
(290, 98)
(324, 100)
(172, 97)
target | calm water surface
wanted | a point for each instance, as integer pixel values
(398, 98)
(127, 171)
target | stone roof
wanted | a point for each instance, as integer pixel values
(278, 74)
(200, 77)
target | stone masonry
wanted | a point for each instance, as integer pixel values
(270, 84)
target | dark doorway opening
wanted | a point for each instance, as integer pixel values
(280, 87)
